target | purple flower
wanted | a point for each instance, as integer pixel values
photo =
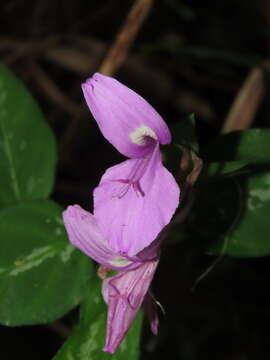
(124, 292)
(132, 204)
(138, 197)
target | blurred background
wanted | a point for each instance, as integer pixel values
(189, 57)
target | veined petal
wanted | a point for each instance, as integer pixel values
(124, 294)
(84, 233)
(132, 217)
(125, 119)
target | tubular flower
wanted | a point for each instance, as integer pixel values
(137, 198)
(125, 292)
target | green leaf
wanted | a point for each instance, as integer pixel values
(217, 205)
(222, 168)
(250, 234)
(89, 338)
(184, 133)
(27, 145)
(251, 146)
(42, 276)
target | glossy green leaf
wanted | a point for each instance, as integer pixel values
(222, 168)
(42, 276)
(250, 234)
(27, 145)
(252, 146)
(217, 205)
(88, 339)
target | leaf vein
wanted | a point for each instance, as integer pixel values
(12, 171)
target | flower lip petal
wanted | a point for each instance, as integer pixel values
(124, 117)
(83, 232)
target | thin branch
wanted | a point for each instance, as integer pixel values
(115, 57)
(19, 49)
(51, 90)
(126, 36)
(246, 102)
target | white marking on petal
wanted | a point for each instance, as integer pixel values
(120, 261)
(138, 136)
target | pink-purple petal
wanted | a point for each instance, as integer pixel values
(84, 233)
(124, 294)
(119, 111)
(129, 220)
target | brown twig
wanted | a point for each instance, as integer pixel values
(126, 36)
(116, 56)
(246, 102)
(51, 90)
(72, 58)
(18, 49)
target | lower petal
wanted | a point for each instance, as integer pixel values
(124, 294)
(84, 233)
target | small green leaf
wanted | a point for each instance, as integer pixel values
(184, 133)
(89, 338)
(27, 145)
(251, 146)
(221, 168)
(42, 276)
(216, 206)
(250, 234)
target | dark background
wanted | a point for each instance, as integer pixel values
(190, 56)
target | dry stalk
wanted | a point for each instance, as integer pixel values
(51, 90)
(114, 58)
(246, 102)
(126, 36)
